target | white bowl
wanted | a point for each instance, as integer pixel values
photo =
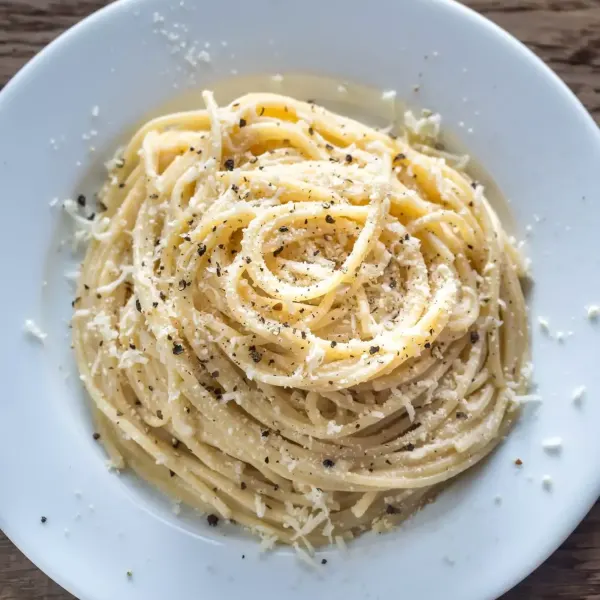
(543, 150)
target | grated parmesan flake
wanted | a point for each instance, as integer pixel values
(593, 312)
(578, 394)
(425, 127)
(544, 324)
(304, 556)
(32, 329)
(553, 444)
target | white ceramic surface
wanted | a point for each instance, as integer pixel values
(505, 107)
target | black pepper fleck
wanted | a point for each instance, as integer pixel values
(255, 355)
(213, 520)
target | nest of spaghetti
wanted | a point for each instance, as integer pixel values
(294, 321)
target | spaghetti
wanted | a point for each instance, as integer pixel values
(291, 320)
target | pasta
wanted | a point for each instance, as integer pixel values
(294, 321)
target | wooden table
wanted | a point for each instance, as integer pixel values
(565, 33)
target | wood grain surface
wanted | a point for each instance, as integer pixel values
(565, 34)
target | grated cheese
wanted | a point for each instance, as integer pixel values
(427, 126)
(553, 444)
(528, 399)
(333, 428)
(102, 324)
(311, 524)
(267, 542)
(260, 506)
(527, 373)
(34, 331)
(72, 276)
(304, 556)
(341, 543)
(229, 396)
(361, 507)
(578, 394)
(132, 357)
(593, 312)
(544, 324)
(410, 410)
